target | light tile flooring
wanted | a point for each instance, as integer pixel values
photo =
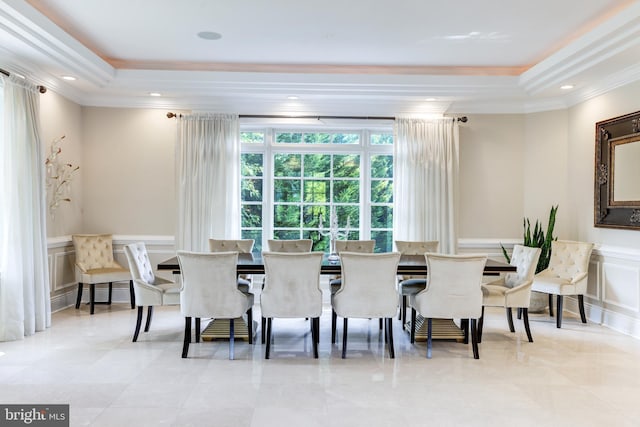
(581, 375)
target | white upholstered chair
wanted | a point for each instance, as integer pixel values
(453, 292)
(513, 290)
(292, 290)
(242, 246)
(369, 290)
(150, 290)
(410, 285)
(95, 264)
(290, 246)
(209, 289)
(566, 274)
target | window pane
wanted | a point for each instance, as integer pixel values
(289, 138)
(382, 166)
(346, 191)
(251, 190)
(256, 235)
(346, 166)
(311, 216)
(286, 234)
(351, 213)
(251, 216)
(381, 217)
(316, 191)
(317, 165)
(317, 138)
(286, 190)
(384, 241)
(252, 137)
(382, 191)
(382, 138)
(286, 216)
(286, 165)
(346, 138)
(354, 235)
(251, 164)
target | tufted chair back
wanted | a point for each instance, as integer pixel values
(569, 259)
(291, 246)
(139, 263)
(525, 259)
(416, 247)
(243, 246)
(94, 251)
(360, 246)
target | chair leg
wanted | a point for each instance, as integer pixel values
(187, 337)
(92, 297)
(404, 309)
(149, 316)
(333, 326)
(583, 317)
(263, 330)
(250, 324)
(344, 338)
(380, 322)
(392, 353)
(232, 338)
(79, 297)
(198, 326)
(510, 319)
(314, 336)
(551, 305)
(474, 339)
(519, 313)
(138, 323)
(412, 336)
(559, 299)
(525, 316)
(400, 309)
(268, 336)
(110, 293)
(132, 295)
(481, 325)
(429, 340)
(464, 324)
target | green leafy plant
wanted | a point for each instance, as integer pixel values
(538, 239)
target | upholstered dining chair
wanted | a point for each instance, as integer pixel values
(292, 290)
(284, 246)
(514, 289)
(209, 289)
(453, 291)
(95, 264)
(242, 246)
(368, 291)
(150, 290)
(410, 285)
(567, 274)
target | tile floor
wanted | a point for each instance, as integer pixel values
(581, 375)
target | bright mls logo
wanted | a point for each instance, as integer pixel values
(34, 415)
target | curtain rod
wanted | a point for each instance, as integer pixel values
(171, 115)
(42, 89)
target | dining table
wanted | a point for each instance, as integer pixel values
(409, 265)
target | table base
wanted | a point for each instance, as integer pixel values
(219, 329)
(441, 329)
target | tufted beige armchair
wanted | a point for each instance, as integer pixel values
(149, 289)
(412, 285)
(296, 245)
(566, 274)
(95, 264)
(242, 246)
(514, 289)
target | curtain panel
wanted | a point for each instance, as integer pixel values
(426, 156)
(208, 174)
(25, 304)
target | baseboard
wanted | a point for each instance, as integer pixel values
(617, 321)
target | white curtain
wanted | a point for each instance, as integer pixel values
(25, 304)
(208, 173)
(426, 181)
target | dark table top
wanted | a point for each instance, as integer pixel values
(409, 265)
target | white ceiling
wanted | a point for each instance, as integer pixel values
(349, 57)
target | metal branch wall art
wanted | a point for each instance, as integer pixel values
(59, 176)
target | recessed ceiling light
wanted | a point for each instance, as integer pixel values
(154, 94)
(292, 97)
(69, 78)
(430, 99)
(566, 87)
(209, 35)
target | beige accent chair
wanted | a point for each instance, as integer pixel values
(292, 290)
(150, 290)
(411, 285)
(513, 290)
(453, 292)
(209, 289)
(95, 264)
(242, 246)
(567, 274)
(369, 290)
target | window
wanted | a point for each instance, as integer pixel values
(293, 181)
